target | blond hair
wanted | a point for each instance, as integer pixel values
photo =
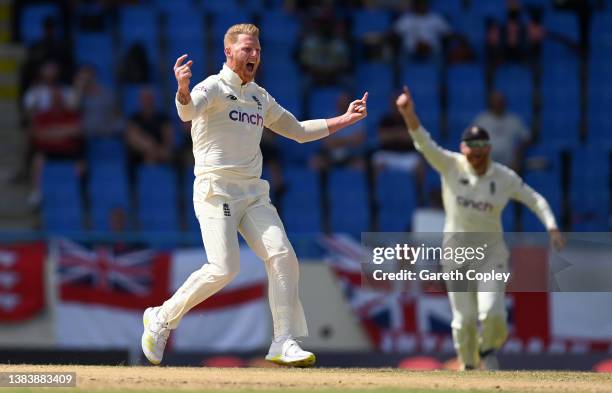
(231, 35)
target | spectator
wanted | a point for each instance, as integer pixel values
(56, 134)
(50, 48)
(325, 52)
(39, 97)
(396, 150)
(100, 116)
(422, 32)
(341, 149)
(149, 135)
(514, 40)
(509, 135)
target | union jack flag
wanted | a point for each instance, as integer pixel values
(132, 279)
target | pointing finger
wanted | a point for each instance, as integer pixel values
(365, 97)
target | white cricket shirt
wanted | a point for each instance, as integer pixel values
(227, 122)
(475, 203)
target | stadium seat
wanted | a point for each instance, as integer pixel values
(368, 21)
(590, 189)
(301, 202)
(139, 25)
(31, 21)
(107, 189)
(560, 102)
(185, 33)
(562, 22)
(131, 97)
(193, 224)
(349, 201)
(62, 206)
(106, 150)
(396, 199)
(157, 199)
(466, 96)
(96, 49)
(278, 26)
(545, 180)
(424, 83)
(323, 102)
(516, 83)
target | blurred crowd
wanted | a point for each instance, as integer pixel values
(66, 107)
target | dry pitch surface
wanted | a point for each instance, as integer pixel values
(170, 379)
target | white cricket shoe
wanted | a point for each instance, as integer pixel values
(289, 353)
(154, 337)
(489, 361)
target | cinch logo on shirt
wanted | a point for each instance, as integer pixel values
(480, 206)
(243, 117)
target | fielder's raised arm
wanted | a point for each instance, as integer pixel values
(441, 159)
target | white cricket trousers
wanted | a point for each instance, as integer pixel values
(486, 304)
(223, 209)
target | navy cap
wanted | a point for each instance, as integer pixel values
(475, 133)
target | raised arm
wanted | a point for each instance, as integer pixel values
(441, 159)
(284, 123)
(188, 104)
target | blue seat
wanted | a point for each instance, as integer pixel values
(98, 51)
(466, 96)
(565, 23)
(139, 25)
(195, 48)
(131, 97)
(193, 225)
(516, 83)
(301, 208)
(107, 150)
(62, 206)
(278, 26)
(546, 181)
(368, 21)
(157, 199)
(590, 189)
(396, 197)
(108, 189)
(323, 102)
(31, 23)
(349, 201)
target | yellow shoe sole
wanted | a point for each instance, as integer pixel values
(145, 322)
(302, 363)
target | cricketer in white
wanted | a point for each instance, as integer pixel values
(228, 112)
(475, 191)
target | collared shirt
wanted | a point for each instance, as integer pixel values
(475, 203)
(228, 118)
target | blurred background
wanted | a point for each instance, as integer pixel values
(96, 169)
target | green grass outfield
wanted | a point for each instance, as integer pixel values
(324, 380)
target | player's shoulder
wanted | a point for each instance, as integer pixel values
(504, 171)
(207, 84)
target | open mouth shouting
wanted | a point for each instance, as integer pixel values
(250, 66)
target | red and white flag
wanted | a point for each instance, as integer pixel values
(22, 283)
